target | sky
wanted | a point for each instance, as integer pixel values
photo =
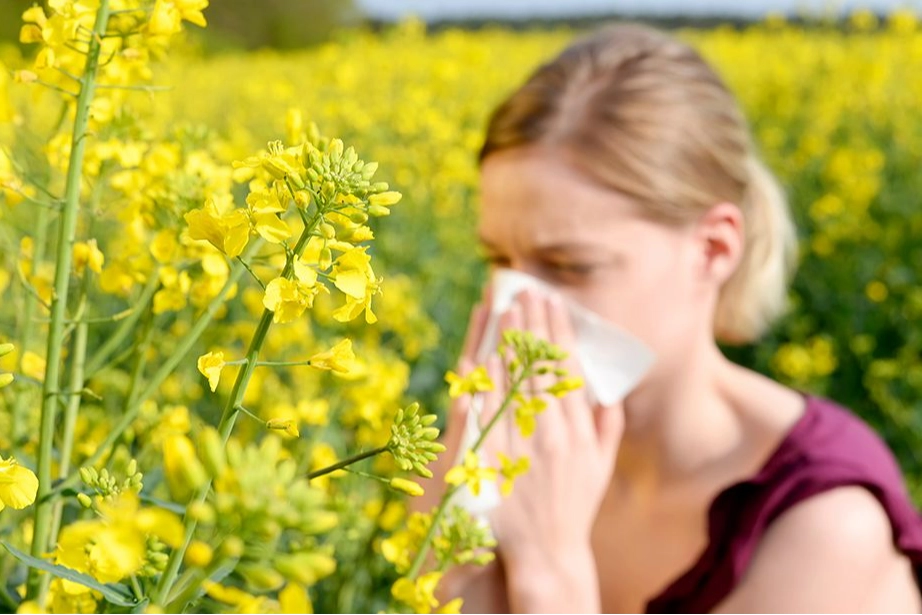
(524, 9)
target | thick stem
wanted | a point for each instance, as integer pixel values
(75, 385)
(63, 263)
(229, 416)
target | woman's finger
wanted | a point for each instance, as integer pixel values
(579, 417)
(609, 426)
(551, 424)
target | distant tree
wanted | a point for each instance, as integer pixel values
(281, 24)
(241, 23)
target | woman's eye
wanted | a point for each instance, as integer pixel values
(496, 260)
(572, 268)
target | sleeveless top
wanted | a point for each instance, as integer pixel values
(828, 447)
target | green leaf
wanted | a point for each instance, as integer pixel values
(113, 593)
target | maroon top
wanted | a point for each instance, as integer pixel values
(828, 447)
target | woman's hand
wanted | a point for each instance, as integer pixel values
(543, 528)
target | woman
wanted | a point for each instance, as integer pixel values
(623, 173)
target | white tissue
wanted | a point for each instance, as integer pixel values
(612, 360)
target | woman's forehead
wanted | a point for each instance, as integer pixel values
(542, 197)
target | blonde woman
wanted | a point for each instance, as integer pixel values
(623, 173)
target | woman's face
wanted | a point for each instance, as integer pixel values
(541, 217)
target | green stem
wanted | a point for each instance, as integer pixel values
(380, 479)
(27, 327)
(251, 415)
(252, 273)
(283, 363)
(229, 416)
(194, 586)
(70, 422)
(346, 462)
(98, 360)
(63, 264)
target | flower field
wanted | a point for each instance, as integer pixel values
(197, 327)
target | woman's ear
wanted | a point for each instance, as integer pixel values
(720, 234)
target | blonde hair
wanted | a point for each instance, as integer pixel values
(643, 114)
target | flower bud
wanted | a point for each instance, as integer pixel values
(261, 576)
(211, 450)
(305, 568)
(406, 486)
(336, 149)
(358, 217)
(326, 258)
(327, 230)
(6, 349)
(88, 475)
(378, 211)
(232, 547)
(198, 555)
(319, 522)
(85, 500)
(201, 513)
(385, 198)
(369, 170)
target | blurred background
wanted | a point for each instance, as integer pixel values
(832, 90)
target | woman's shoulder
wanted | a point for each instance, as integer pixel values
(830, 443)
(827, 449)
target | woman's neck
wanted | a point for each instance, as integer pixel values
(681, 422)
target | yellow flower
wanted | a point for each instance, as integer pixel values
(87, 254)
(280, 162)
(199, 554)
(406, 486)
(525, 413)
(228, 232)
(114, 546)
(210, 366)
(245, 603)
(184, 472)
(876, 291)
(289, 298)
(167, 16)
(33, 365)
(18, 484)
(510, 469)
(419, 595)
(294, 599)
(69, 597)
(475, 382)
(564, 386)
(339, 359)
(272, 228)
(470, 472)
(353, 275)
(452, 606)
(288, 426)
